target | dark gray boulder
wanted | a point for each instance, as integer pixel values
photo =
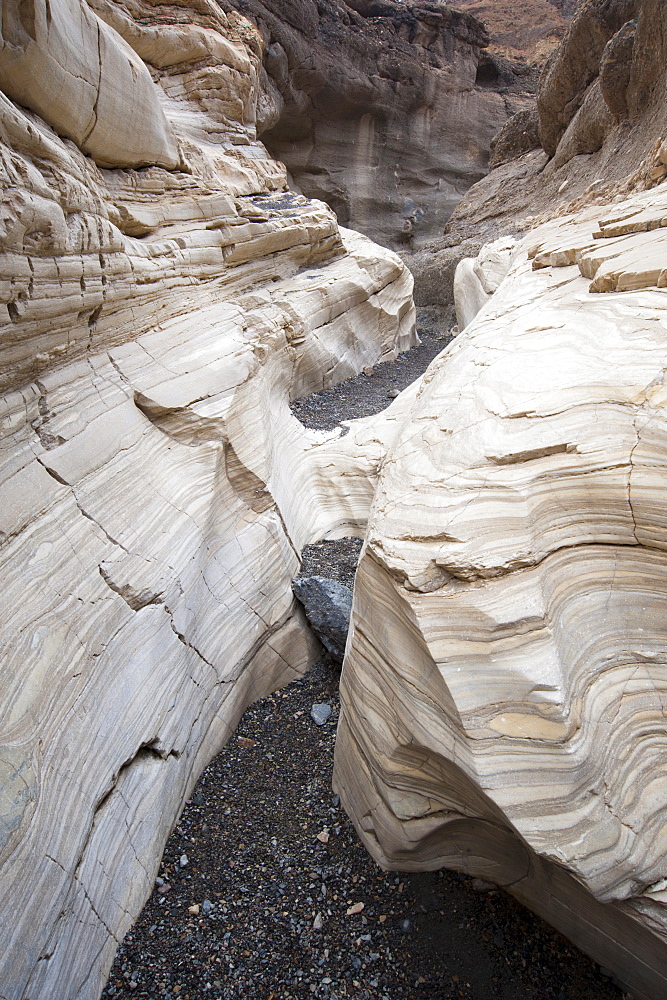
(328, 605)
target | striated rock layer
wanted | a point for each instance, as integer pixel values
(505, 688)
(162, 298)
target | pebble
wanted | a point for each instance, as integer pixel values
(481, 885)
(320, 714)
(393, 393)
(184, 861)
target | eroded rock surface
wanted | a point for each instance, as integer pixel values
(602, 116)
(155, 488)
(379, 108)
(504, 689)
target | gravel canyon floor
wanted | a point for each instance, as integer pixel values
(265, 890)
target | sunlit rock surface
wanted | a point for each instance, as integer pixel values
(155, 489)
(505, 686)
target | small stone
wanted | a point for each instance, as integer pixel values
(184, 861)
(318, 922)
(481, 885)
(164, 888)
(405, 926)
(368, 371)
(355, 908)
(383, 917)
(320, 713)
(323, 836)
(194, 909)
(393, 393)
(207, 906)
(245, 742)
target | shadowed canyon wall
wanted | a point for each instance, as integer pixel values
(376, 107)
(600, 116)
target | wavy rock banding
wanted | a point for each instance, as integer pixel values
(155, 489)
(504, 689)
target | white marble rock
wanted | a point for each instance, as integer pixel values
(154, 324)
(504, 692)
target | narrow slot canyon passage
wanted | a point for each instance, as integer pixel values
(262, 882)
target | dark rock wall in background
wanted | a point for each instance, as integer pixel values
(601, 114)
(380, 109)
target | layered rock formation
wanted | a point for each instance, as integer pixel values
(379, 108)
(601, 114)
(504, 690)
(163, 296)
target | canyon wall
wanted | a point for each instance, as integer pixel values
(504, 687)
(379, 108)
(601, 113)
(163, 296)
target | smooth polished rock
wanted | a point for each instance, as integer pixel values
(504, 688)
(76, 72)
(477, 278)
(155, 488)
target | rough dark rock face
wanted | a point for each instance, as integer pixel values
(383, 109)
(602, 110)
(568, 75)
(615, 67)
(518, 136)
(328, 605)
